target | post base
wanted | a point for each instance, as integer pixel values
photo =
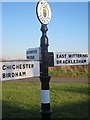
(45, 113)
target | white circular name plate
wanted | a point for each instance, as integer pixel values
(43, 11)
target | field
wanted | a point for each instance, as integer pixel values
(70, 71)
(22, 100)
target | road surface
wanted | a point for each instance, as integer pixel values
(54, 79)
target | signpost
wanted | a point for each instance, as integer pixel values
(19, 69)
(40, 60)
(44, 15)
(33, 54)
(70, 58)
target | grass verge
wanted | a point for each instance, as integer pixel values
(23, 100)
(64, 73)
(70, 71)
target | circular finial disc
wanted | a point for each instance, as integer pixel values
(43, 12)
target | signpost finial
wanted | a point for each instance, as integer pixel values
(43, 11)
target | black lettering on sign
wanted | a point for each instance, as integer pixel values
(4, 67)
(9, 74)
(71, 61)
(3, 75)
(78, 55)
(57, 56)
(27, 65)
(15, 74)
(19, 66)
(24, 73)
(69, 55)
(13, 67)
(6, 75)
(12, 75)
(32, 66)
(20, 74)
(61, 56)
(85, 61)
(31, 57)
(57, 61)
(23, 66)
(31, 52)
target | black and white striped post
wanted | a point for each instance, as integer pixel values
(44, 15)
(44, 76)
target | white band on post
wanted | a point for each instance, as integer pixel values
(45, 96)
